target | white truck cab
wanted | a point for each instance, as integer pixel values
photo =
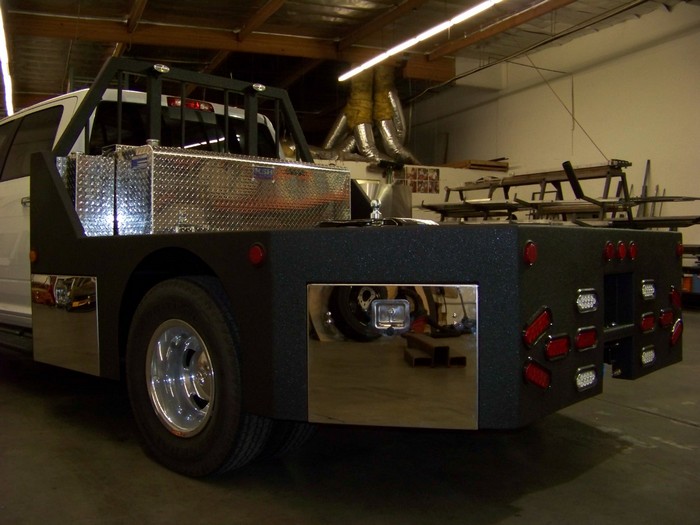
(38, 128)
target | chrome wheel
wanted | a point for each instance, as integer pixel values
(180, 378)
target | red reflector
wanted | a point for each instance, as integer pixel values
(537, 375)
(675, 298)
(676, 332)
(648, 322)
(557, 347)
(609, 251)
(537, 327)
(679, 250)
(586, 338)
(256, 254)
(530, 253)
(621, 250)
(666, 317)
(633, 250)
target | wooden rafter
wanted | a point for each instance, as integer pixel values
(379, 23)
(259, 18)
(135, 15)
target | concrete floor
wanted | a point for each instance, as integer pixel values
(68, 454)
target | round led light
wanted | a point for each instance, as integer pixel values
(257, 254)
(633, 250)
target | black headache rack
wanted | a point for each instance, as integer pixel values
(121, 72)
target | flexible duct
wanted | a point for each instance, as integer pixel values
(373, 103)
(385, 114)
(338, 131)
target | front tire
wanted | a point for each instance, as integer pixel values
(183, 377)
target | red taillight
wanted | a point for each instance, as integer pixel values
(621, 250)
(679, 250)
(538, 375)
(586, 338)
(647, 322)
(675, 298)
(557, 347)
(633, 250)
(539, 325)
(666, 317)
(609, 251)
(257, 254)
(176, 102)
(676, 332)
(530, 253)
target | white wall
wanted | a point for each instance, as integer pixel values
(633, 87)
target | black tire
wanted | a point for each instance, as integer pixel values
(347, 306)
(183, 337)
(287, 437)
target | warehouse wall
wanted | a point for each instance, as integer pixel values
(632, 90)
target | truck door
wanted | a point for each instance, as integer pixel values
(21, 138)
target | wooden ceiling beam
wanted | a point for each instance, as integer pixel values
(259, 18)
(92, 30)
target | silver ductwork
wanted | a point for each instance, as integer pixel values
(373, 108)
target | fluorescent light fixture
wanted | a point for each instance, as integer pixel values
(469, 13)
(5, 59)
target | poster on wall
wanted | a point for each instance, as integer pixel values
(423, 180)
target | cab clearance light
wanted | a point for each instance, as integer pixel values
(586, 339)
(666, 317)
(540, 324)
(676, 331)
(648, 355)
(530, 253)
(538, 375)
(675, 297)
(587, 301)
(648, 289)
(586, 377)
(633, 250)
(176, 102)
(648, 322)
(557, 347)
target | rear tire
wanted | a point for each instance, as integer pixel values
(184, 381)
(287, 437)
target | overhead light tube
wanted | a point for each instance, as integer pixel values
(5, 59)
(444, 26)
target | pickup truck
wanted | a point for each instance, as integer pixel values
(242, 298)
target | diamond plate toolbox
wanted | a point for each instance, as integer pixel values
(168, 190)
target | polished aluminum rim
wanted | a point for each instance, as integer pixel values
(180, 378)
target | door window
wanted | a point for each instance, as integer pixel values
(36, 133)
